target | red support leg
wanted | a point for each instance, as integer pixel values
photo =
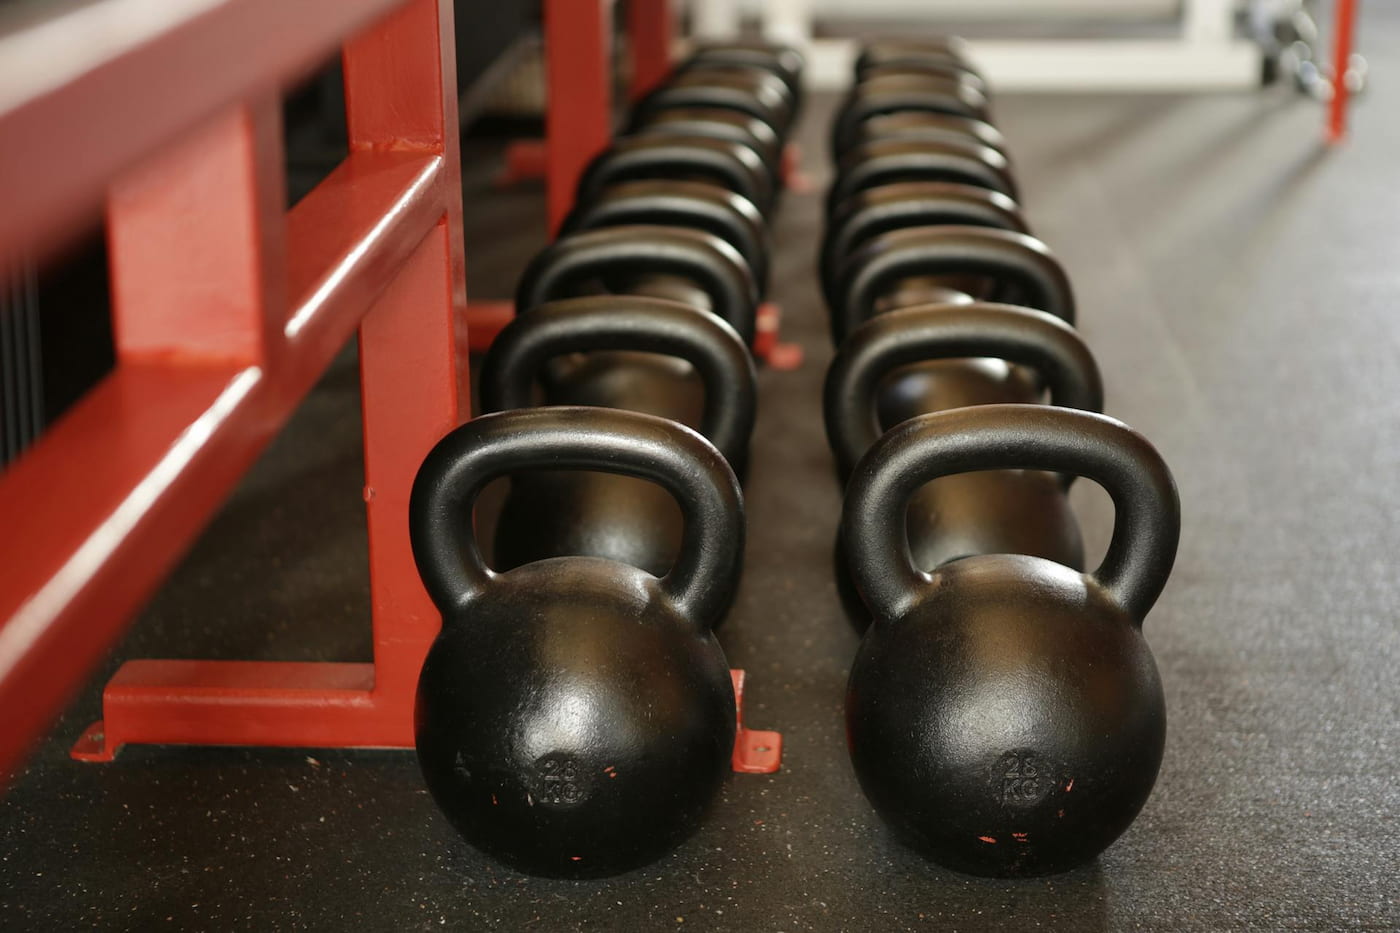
(1344, 31)
(755, 751)
(650, 29)
(414, 343)
(578, 117)
(414, 392)
(525, 159)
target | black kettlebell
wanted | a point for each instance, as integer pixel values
(758, 95)
(621, 256)
(927, 125)
(646, 355)
(575, 716)
(909, 362)
(765, 84)
(880, 50)
(942, 69)
(1004, 714)
(878, 53)
(1021, 269)
(884, 161)
(872, 211)
(894, 95)
(715, 122)
(731, 165)
(700, 206)
(783, 60)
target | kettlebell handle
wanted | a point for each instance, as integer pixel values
(917, 251)
(1001, 437)
(726, 214)
(640, 249)
(868, 213)
(733, 166)
(636, 323)
(933, 332)
(952, 97)
(607, 440)
(879, 162)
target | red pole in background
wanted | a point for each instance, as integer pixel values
(578, 113)
(650, 28)
(1344, 30)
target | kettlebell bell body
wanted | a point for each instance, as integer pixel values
(575, 716)
(1004, 713)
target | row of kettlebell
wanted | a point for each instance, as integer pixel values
(1004, 714)
(576, 715)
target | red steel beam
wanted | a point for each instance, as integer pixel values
(412, 381)
(1344, 31)
(578, 113)
(227, 311)
(76, 90)
(413, 347)
(650, 30)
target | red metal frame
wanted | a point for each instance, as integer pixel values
(651, 28)
(578, 118)
(1344, 32)
(226, 311)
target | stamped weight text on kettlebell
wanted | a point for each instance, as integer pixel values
(1022, 779)
(560, 781)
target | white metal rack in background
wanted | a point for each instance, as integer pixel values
(1206, 55)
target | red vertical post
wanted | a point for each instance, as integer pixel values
(1344, 29)
(578, 112)
(401, 92)
(650, 29)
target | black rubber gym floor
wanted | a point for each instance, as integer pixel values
(1241, 288)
